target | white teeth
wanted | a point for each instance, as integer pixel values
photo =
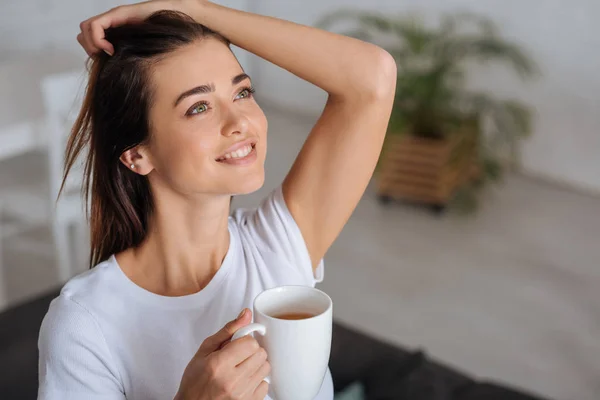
(240, 153)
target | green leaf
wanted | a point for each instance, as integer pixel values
(493, 170)
(520, 116)
(488, 48)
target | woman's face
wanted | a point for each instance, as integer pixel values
(207, 133)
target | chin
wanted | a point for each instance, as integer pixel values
(251, 185)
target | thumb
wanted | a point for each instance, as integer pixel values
(214, 342)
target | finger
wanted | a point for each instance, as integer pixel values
(82, 43)
(236, 352)
(86, 36)
(260, 374)
(261, 391)
(249, 366)
(260, 369)
(97, 33)
(126, 14)
(112, 18)
(214, 342)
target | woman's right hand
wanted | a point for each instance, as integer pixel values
(227, 370)
(92, 38)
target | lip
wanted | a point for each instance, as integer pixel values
(245, 161)
(238, 145)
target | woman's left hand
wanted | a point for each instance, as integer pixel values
(92, 38)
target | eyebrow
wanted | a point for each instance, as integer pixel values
(208, 88)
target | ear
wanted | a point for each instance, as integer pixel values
(137, 160)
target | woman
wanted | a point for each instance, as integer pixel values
(173, 132)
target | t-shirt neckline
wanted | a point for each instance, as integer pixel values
(187, 301)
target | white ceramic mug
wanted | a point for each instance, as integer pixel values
(298, 350)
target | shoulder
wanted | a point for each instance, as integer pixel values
(73, 309)
(81, 300)
(270, 225)
(66, 321)
(74, 356)
(271, 229)
(272, 205)
(91, 287)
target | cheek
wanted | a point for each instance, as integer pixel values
(260, 123)
(184, 148)
(262, 127)
(198, 152)
(202, 145)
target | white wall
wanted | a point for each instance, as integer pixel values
(563, 37)
(35, 25)
(48, 25)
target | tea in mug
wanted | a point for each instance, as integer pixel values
(293, 315)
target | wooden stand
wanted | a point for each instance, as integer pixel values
(426, 171)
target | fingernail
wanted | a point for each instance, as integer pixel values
(242, 314)
(107, 52)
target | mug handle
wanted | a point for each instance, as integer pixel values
(248, 329)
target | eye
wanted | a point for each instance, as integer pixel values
(245, 93)
(198, 108)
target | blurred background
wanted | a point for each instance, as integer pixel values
(478, 239)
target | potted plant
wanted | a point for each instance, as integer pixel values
(444, 140)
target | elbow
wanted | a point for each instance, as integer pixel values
(382, 73)
(384, 86)
(372, 78)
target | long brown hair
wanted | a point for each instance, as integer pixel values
(113, 119)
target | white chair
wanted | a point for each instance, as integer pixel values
(63, 96)
(21, 101)
(56, 99)
(21, 109)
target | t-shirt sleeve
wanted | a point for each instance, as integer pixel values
(272, 225)
(74, 360)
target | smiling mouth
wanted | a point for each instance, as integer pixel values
(238, 154)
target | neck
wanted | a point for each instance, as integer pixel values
(186, 243)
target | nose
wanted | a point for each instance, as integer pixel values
(235, 123)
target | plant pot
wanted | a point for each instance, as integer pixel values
(427, 171)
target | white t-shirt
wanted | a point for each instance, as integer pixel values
(105, 338)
